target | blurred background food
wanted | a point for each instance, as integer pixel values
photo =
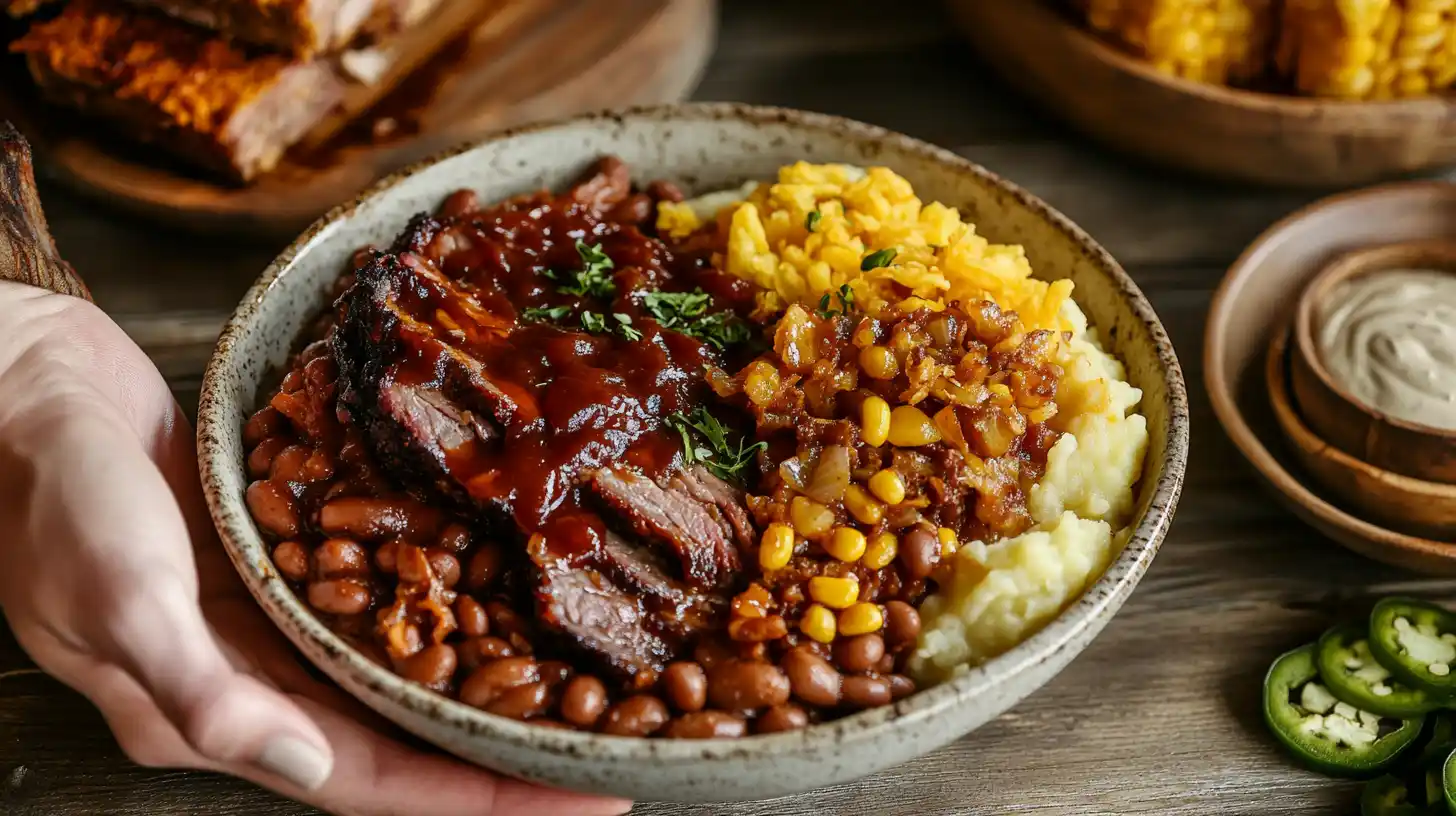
(1343, 49)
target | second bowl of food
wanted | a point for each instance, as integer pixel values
(695, 453)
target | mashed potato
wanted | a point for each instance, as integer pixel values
(807, 235)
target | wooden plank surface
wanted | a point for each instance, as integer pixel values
(1159, 715)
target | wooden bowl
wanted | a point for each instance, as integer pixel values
(1232, 134)
(1349, 423)
(1257, 297)
(1399, 502)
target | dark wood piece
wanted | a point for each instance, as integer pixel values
(27, 252)
(526, 60)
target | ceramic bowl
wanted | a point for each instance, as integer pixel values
(1226, 133)
(1359, 429)
(701, 147)
(1399, 502)
(1257, 298)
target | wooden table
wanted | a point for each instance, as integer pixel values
(1160, 715)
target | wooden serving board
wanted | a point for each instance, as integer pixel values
(527, 60)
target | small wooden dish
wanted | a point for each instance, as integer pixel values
(1256, 299)
(1227, 133)
(1400, 502)
(1369, 436)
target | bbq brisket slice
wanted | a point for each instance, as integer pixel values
(206, 100)
(302, 28)
(617, 598)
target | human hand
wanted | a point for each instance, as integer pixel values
(113, 581)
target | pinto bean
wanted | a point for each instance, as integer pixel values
(686, 686)
(485, 566)
(736, 685)
(273, 508)
(455, 538)
(638, 716)
(493, 679)
(861, 653)
(459, 203)
(866, 690)
(288, 464)
(263, 424)
(522, 702)
(900, 686)
(374, 519)
(919, 553)
(340, 558)
(706, 725)
(471, 617)
(343, 596)
(786, 717)
(386, 557)
(583, 701)
(432, 666)
(902, 624)
(445, 567)
(291, 559)
(812, 678)
(477, 651)
(260, 460)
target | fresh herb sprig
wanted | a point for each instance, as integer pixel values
(687, 313)
(620, 324)
(846, 303)
(878, 258)
(812, 220)
(594, 279)
(720, 456)
(543, 314)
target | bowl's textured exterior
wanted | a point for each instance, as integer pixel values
(702, 147)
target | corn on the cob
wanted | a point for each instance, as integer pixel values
(1368, 49)
(1217, 41)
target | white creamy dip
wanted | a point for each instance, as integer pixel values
(1389, 339)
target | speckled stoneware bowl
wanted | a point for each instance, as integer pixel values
(702, 147)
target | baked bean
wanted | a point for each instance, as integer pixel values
(919, 553)
(556, 672)
(340, 558)
(291, 559)
(343, 596)
(686, 686)
(861, 653)
(386, 557)
(886, 664)
(432, 666)
(373, 519)
(757, 630)
(902, 624)
(260, 461)
(866, 690)
(292, 381)
(319, 466)
(634, 209)
(706, 725)
(411, 564)
(505, 622)
(273, 508)
(665, 191)
(477, 651)
(737, 685)
(522, 702)
(455, 538)
(485, 566)
(445, 567)
(263, 424)
(470, 617)
(288, 464)
(583, 700)
(711, 652)
(900, 686)
(492, 679)
(812, 678)
(786, 717)
(638, 716)
(459, 203)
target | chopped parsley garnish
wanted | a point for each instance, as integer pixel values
(594, 323)
(687, 312)
(723, 458)
(846, 303)
(624, 327)
(544, 314)
(877, 259)
(812, 220)
(594, 279)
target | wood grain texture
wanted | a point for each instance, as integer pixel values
(1158, 716)
(1226, 133)
(525, 60)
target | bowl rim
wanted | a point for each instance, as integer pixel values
(1112, 587)
(1437, 254)
(1253, 101)
(1294, 426)
(1221, 392)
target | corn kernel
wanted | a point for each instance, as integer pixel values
(910, 428)
(881, 550)
(879, 362)
(847, 544)
(810, 518)
(874, 421)
(818, 623)
(948, 542)
(861, 619)
(835, 593)
(862, 506)
(762, 383)
(776, 547)
(888, 487)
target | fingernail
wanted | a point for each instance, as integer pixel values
(296, 761)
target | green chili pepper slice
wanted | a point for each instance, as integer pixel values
(1438, 741)
(1324, 733)
(1448, 782)
(1416, 641)
(1388, 796)
(1354, 676)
